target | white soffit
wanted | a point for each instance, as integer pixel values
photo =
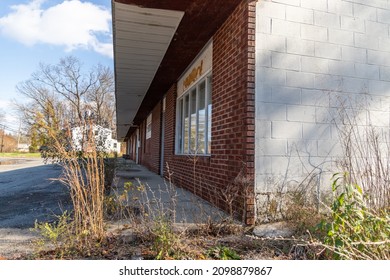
(141, 39)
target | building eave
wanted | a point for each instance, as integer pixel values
(154, 42)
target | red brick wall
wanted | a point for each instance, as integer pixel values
(233, 123)
(232, 146)
(151, 146)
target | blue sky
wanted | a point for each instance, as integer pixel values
(34, 31)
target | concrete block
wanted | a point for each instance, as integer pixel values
(263, 23)
(384, 44)
(353, 54)
(340, 7)
(341, 37)
(263, 58)
(354, 85)
(366, 41)
(271, 9)
(320, 5)
(271, 147)
(300, 79)
(379, 118)
(377, 29)
(286, 61)
(384, 73)
(298, 14)
(313, 97)
(271, 111)
(263, 164)
(299, 46)
(315, 65)
(274, 230)
(286, 165)
(288, 2)
(312, 131)
(352, 24)
(328, 82)
(329, 148)
(302, 148)
(286, 130)
(326, 50)
(373, 3)
(286, 95)
(304, 114)
(285, 28)
(379, 87)
(325, 115)
(315, 33)
(343, 101)
(383, 15)
(342, 68)
(326, 19)
(371, 102)
(271, 76)
(270, 42)
(378, 58)
(367, 71)
(263, 91)
(263, 129)
(364, 12)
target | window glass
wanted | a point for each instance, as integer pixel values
(193, 121)
(149, 127)
(186, 123)
(193, 128)
(209, 113)
(202, 118)
(180, 127)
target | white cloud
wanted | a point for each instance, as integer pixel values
(72, 24)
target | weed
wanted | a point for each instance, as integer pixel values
(55, 231)
(356, 231)
(165, 240)
(223, 253)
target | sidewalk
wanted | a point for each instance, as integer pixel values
(178, 203)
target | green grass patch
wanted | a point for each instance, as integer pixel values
(21, 155)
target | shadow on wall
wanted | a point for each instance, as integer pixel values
(322, 85)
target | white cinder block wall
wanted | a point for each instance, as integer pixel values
(311, 57)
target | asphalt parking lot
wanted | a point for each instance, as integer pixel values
(29, 193)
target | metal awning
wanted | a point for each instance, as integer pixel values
(142, 37)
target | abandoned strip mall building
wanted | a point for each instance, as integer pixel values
(237, 100)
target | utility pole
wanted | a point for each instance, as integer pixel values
(20, 126)
(2, 139)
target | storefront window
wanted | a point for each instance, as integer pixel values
(194, 119)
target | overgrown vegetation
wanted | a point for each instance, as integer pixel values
(83, 174)
(359, 225)
(356, 231)
(356, 224)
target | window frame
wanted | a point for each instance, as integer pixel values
(148, 130)
(182, 148)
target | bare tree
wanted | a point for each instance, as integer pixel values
(101, 98)
(60, 96)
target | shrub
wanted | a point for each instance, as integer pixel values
(356, 231)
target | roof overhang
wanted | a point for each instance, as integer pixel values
(154, 42)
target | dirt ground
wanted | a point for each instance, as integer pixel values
(194, 242)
